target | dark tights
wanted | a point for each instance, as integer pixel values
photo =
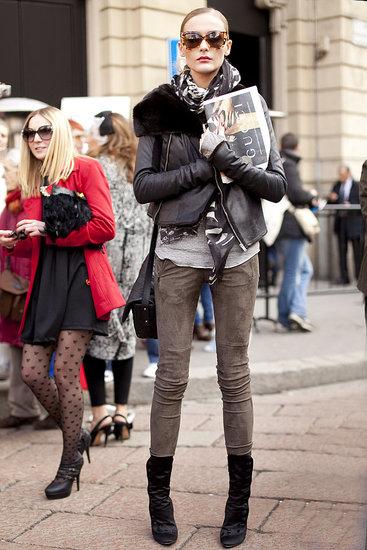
(94, 372)
(61, 396)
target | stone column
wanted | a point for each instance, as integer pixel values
(133, 43)
(278, 29)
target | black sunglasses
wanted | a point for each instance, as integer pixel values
(215, 39)
(44, 132)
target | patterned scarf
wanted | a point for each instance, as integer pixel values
(218, 232)
(225, 80)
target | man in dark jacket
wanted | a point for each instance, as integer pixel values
(348, 225)
(291, 243)
(362, 278)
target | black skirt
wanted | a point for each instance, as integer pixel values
(61, 297)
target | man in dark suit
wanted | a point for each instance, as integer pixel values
(362, 279)
(348, 225)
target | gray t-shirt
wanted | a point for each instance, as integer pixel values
(193, 251)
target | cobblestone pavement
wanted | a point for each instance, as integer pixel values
(309, 489)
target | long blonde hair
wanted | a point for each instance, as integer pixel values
(59, 161)
(121, 145)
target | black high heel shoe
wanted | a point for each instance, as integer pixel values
(121, 428)
(61, 486)
(84, 443)
(98, 431)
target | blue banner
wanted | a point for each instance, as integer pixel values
(172, 44)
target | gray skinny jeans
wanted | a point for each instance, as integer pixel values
(177, 291)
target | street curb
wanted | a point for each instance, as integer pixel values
(266, 378)
(307, 376)
(273, 377)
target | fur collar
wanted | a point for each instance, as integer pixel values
(162, 111)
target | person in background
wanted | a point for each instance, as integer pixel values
(4, 138)
(68, 217)
(22, 403)
(116, 151)
(273, 265)
(152, 346)
(178, 171)
(204, 326)
(93, 138)
(362, 277)
(348, 226)
(5, 352)
(291, 244)
(78, 133)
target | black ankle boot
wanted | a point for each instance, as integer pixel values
(234, 527)
(61, 486)
(164, 528)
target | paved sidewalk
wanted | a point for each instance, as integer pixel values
(309, 491)
(334, 352)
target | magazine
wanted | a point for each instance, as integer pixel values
(240, 118)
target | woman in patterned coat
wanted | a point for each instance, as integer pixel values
(113, 143)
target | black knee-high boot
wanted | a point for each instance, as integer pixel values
(234, 527)
(164, 527)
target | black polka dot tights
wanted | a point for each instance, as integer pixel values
(61, 396)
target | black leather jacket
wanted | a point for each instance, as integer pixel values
(171, 173)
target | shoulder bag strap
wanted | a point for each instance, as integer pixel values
(157, 152)
(149, 270)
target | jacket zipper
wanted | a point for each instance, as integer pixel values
(226, 213)
(165, 169)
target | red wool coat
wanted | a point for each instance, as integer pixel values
(87, 178)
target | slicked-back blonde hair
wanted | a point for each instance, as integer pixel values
(59, 161)
(200, 11)
(121, 145)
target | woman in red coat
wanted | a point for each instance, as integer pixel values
(22, 404)
(72, 289)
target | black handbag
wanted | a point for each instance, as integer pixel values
(64, 210)
(141, 299)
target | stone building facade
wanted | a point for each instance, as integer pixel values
(327, 84)
(318, 58)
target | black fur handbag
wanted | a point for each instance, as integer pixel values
(63, 210)
(141, 300)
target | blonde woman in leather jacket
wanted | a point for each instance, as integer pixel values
(208, 232)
